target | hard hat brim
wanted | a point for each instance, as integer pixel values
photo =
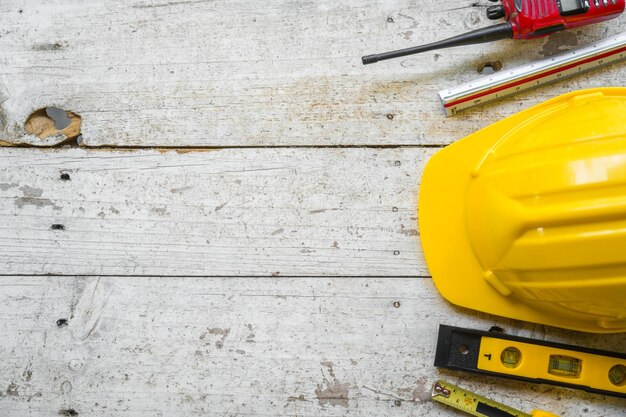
(442, 215)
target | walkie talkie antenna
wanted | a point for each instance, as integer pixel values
(488, 34)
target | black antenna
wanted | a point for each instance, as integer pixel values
(488, 34)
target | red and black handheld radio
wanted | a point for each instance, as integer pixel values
(525, 19)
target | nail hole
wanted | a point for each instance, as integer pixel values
(66, 387)
(398, 403)
(57, 227)
(394, 209)
(396, 304)
(62, 322)
(397, 163)
(496, 329)
(65, 176)
(390, 20)
(490, 67)
(51, 121)
(463, 349)
(75, 365)
(396, 252)
(70, 412)
(390, 116)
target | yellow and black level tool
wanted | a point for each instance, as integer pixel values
(530, 360)
(477, 405)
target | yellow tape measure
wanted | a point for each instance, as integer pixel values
(477, 405)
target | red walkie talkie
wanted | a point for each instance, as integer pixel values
(525, 19)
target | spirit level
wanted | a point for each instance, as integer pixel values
(530, 360)
(477, 405)
(525, 77)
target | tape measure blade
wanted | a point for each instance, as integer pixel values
(471, 403)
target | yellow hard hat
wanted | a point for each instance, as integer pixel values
(527, 218)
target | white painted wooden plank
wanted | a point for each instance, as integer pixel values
(232, 347)
(243, 73)
(258, 212)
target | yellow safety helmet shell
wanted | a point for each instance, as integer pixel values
(527, 218)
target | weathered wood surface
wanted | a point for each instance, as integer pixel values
(263, 212)
(240, 73)
(267, 346)
(167, 262)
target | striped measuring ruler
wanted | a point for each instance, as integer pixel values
(509, 82)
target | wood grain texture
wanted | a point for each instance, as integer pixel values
(167, 299)
(233, 347)
(251, 212)
(240, 73)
